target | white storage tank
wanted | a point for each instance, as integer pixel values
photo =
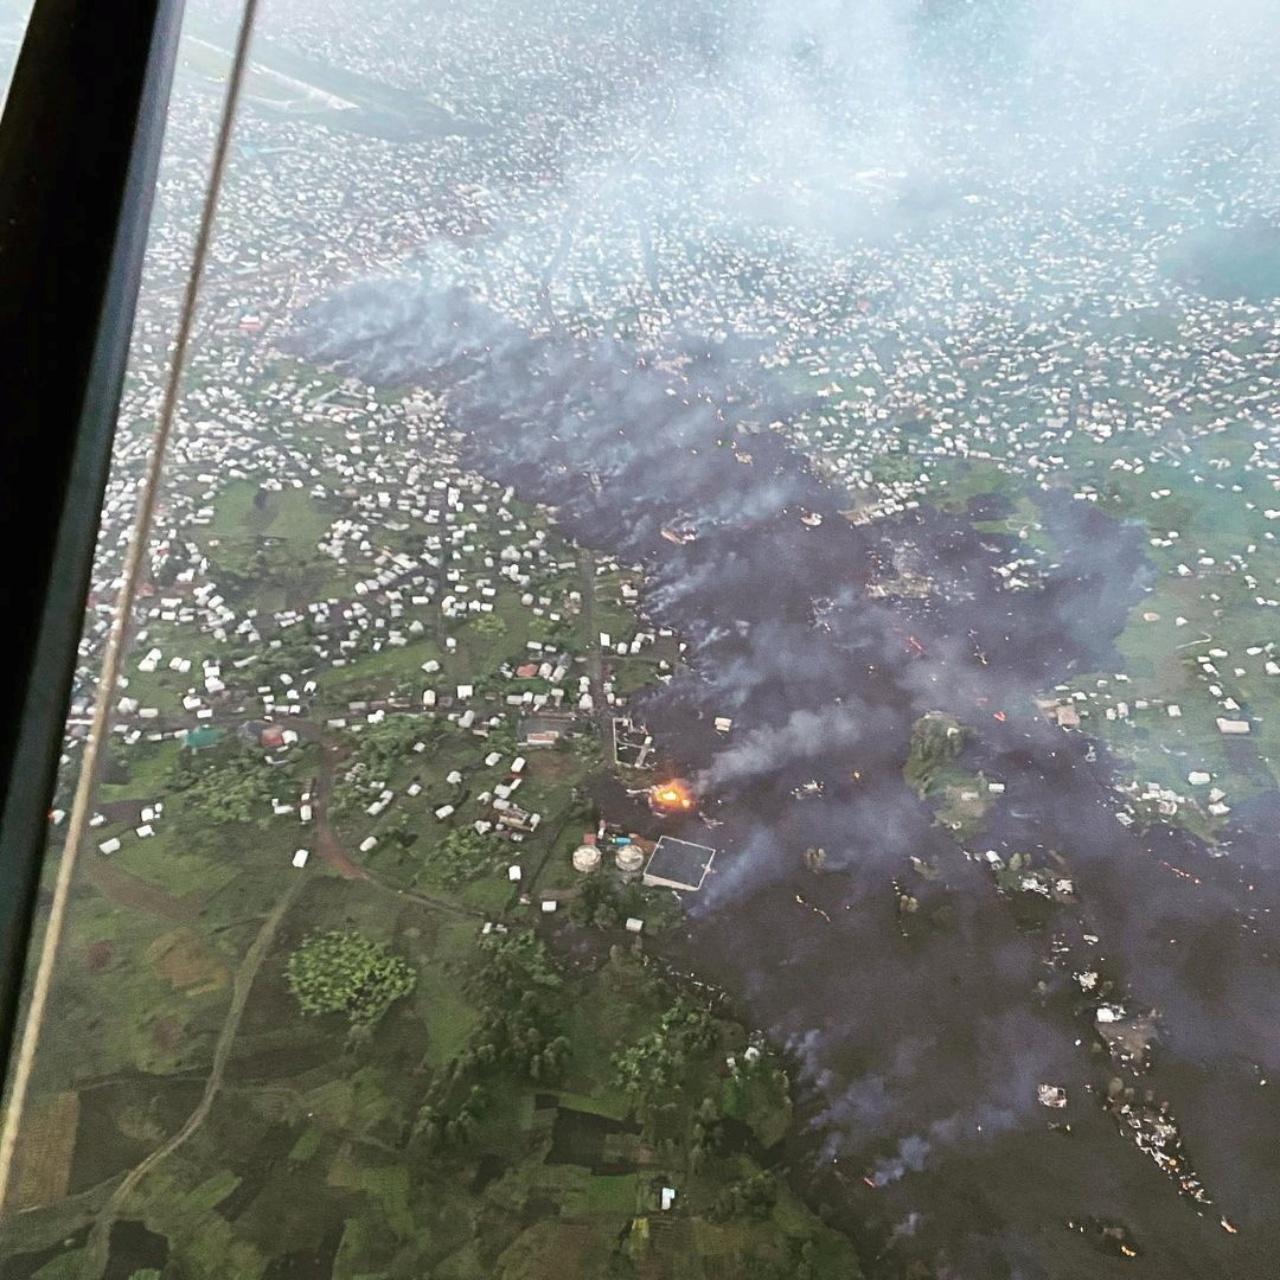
(629, 860)
(586, 858)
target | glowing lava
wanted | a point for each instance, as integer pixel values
(675, 796)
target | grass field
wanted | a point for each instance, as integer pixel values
(45, 1171)
(305, 1135)
(265, 544)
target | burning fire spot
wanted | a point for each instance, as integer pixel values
(675, 796)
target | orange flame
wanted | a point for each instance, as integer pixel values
(675, 796)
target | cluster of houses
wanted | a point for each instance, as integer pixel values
(1069, 372)
(1108, 705)
(468, 550)
(420, 549)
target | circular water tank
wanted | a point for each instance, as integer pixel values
(586, 857)
(629, 859)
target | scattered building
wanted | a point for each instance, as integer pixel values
(678, 864)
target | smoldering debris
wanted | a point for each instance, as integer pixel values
(915, 1151)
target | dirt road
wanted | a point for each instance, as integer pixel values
(98, 1246)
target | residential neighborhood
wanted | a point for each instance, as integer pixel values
(704, 698)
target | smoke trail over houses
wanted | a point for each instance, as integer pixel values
(806, 735)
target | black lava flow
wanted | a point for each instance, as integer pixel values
(920, 1042)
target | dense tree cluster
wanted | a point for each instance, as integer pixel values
(295, 654)
(707, 1137)
(502, 738)
(936, 741)
(648, 1069)
(586, 747)
(231, 784)
(438, 1127)
(513, 962)
(380, 750)
(800, 1263)
(751, 1197)
(755, 1082)
(518, 992)
(555, 634)
(345, 972)
(604, 903)
(756, 1093)
(461, 856)
(398, 829)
